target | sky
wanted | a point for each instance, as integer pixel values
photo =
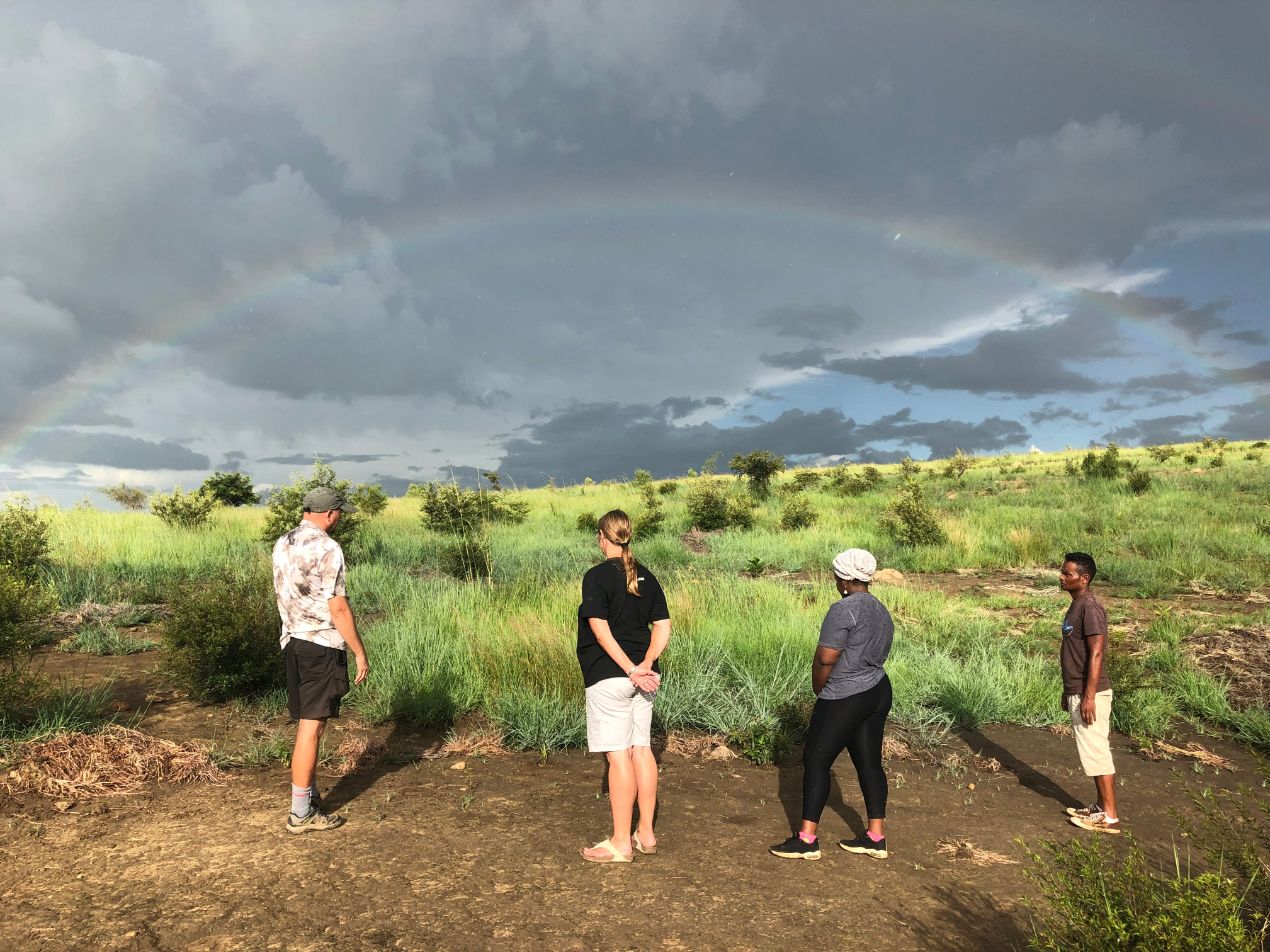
(566, 239)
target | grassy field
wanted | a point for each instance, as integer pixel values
(746, 612)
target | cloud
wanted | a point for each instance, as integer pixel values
(1181, 428)
(1165, 386)
(108, 449)
(611, 439)
(1053, 411)
(1257, 373)
(814, 322)
(1249, 421)
(305, 459)
(1256, 338)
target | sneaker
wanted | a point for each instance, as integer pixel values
(869, 847)
(1097, 823)
(314, 821)
(1088, 811)
(795, 848)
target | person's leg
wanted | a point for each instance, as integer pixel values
(645, 765)
(304, 758)
(826, 738)
(864, 744)
(1106, 787)
(622, 790)
(609, 729)
(1093, 744)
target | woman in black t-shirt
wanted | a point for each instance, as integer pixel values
(623, 627)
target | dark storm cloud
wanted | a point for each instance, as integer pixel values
(676, 408)
(815, 322)
(1195, 322)
(94, 414)
(1182, 428)
(1169, 384)
(1256, 338)
(608, 439)
(1053, 411)
(304, 459)
(1249, 421)
(1257, 373)
(108, 449)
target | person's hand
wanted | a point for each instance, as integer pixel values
(1088, 711)
(363, 669)
(645, 678)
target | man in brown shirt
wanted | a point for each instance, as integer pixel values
(1087, 692)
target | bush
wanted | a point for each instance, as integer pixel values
(454, 510)
(27, 600)
(1217, 462)
(959, 465)
(1104, 465)
(668, 488)
(842, 481)
(798, 514)
(1070, 467)
(129, 497)
(758, 468)
(370, 499)
(873, 476)
(181, 510)
(909, 467)
(1190, 459)
(1253, 456)
(641, 479)
(806, 479)
(910, 520)
(220, 638)
(1162, 454)
(588, 522)
(710, 507)
(1097, 902)
(468, 557)
(286, 505)
(1138, 481)
(24, 542)
(647, 522)
(230, 489)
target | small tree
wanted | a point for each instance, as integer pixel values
(129, 497)
(758, 468)
(182, 510)
(798, 514)
(495, 480)
(230, 489)
(370, 499)
(805, 479)
(1104, 465)
(452, 509)
(958, 465)
(27, 600)
(910, 520)
(708, 467)
(641, 478)
(1162, 454)
(24, 542)
(708, 507)
(286, 505)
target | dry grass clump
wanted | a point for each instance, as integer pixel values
(1239, 656)
(1062, 730)
(114, 762)
(896, 748)
(1162, 750)
(357, 753)
(96, 613)
(701, 746)
(989, 764)
(964, 849)
(479, 741)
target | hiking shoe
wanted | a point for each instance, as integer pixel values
(795, 848)
(862, 844)
(1091, 810)
(314, 821)
(1096, 823)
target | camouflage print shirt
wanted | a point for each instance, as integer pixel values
(308, 569)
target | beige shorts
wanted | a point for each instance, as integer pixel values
(618, 716)
(1093, 741)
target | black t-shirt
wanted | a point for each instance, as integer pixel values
(630, 617)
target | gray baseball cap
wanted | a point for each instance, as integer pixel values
(324, 499)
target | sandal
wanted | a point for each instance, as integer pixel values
(615, 855)
(640, 846)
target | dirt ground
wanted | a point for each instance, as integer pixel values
(482, 852)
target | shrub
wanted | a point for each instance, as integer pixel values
(129, 497)
(710, 507)
(758, 468)
(1259, 445)
(798, 514)
(805, 479)
(909, 467)
(286, 505)
(220, 638)
(872, 475)
(958, 465)
(910, 520)
(1097, 902)
(668, 488)
(588, 522)
(454, 510)
(25, 609)
(648, 522)
(1253, 456)
(708, 467)
(1217, 462)
(370, 499)
(24, 542)
(642, 478)
(181, 510)
(1104, 465)
(1070, 467)
(495, 480)
(1206, 443)
(468, 557)
(1138, 481)
(230, 489)
(1190, 459)
(1162, 454)
(740, 511)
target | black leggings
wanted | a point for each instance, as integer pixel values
(855, 723)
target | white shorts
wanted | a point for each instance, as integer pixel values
(618, 716)
(1093, 741)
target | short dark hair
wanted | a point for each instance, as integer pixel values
(1084, 562)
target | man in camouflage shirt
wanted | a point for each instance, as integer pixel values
(318, 631)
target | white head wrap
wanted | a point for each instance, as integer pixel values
(856, 564)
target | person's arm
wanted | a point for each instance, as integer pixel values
(344, 622)
(645, 678)
(821, 665)
(1094, 645)
(604, 636)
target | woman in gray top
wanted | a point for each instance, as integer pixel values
(853, 698)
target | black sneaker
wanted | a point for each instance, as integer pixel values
(869, 847)
(795, 848)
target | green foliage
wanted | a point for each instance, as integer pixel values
(588, 522)
(668, 488)
(798, 513)
(27, 600)
(648, 521)
(1190, 459)
(642, 478)
(454, 510)
(129, 497)
(758, 468)
(873, 476)
(1104, 465)
(468, 557)
(1162, 454)
(959, 465)
(104, 639)
(1138, 481)
(806, 479)
(754, 567)
(711, 507)
(494, 479)
(1070, 467)
(1253, 456)
(370, 499)
(286, 505)
(24, 542)
(910, 520)
(842, 481)
(1097, 902)
(230, 489)
(712, 461)
(1217, 462)
(909, 467)
(1207, 443)
(181, 510)
(220, 638)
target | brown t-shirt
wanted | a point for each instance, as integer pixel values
(1084, 618)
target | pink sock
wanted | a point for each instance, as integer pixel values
(807, 837)
(873, 836)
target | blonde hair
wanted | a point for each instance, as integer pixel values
(615, 526)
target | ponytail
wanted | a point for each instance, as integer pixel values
(615, 526)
